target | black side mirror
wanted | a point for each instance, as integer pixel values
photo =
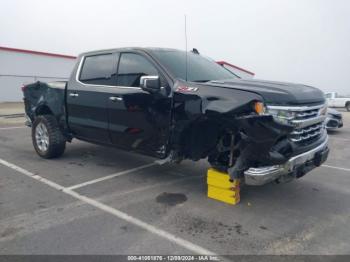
(150, 83)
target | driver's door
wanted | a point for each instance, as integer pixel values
(138, 120)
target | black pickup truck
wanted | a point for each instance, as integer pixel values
(149, 100)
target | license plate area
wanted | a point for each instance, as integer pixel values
(321, 156)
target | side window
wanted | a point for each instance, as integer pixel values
(328, 95)
(99, 70)
(132, 67)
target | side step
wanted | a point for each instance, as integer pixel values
(222, 188)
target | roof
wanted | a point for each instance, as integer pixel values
(10, 49)
(125, 49)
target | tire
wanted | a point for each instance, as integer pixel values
(347, 106)
(219, 167)
(214, 161)
(47, 138)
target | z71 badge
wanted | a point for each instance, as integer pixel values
(186, 89)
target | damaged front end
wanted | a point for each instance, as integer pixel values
(281, 147)
(278, 144)
(246, 138)
(260, 141)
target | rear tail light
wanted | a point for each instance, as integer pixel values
(23, 88)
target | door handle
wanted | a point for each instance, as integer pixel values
(73, 94)
(115, 98)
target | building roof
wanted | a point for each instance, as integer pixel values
(10, 49)
(234, 66)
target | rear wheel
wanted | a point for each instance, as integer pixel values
(47, 137)
(347, 106)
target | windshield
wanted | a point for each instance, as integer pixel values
(199, 68)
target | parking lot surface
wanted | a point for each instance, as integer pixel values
(100, 200)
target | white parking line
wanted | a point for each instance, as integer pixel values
(339, 168)
(13, 127)
(110, 176)
(117, 213)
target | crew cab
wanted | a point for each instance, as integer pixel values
(175, 105)
(338, 101)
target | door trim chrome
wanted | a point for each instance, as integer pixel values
(94, 85)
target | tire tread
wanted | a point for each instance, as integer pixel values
(57, 141)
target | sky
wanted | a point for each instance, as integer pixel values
(301, 41)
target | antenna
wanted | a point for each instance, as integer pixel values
(186, 45)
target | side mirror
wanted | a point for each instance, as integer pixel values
(150, 83)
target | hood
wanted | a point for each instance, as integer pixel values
(277, 93)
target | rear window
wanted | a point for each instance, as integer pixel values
(99, 70)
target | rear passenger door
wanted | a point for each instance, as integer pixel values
(88, 95)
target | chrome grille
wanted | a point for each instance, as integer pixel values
(306, 114)
(307, 120)
(307, 133)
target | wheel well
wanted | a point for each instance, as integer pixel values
(43, 110)
(347, 103)
(199, 138)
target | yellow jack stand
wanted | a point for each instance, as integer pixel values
(221, 188)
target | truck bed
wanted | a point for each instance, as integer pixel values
(45, 98)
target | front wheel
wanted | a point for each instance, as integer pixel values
(47, 137)
(219, 161)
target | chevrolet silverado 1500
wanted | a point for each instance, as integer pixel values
(150, 100)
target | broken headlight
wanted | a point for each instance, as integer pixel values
(279, 115)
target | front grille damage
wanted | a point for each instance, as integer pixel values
(304, 147)
(308, 122)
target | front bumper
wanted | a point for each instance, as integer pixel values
(295, 167)
(333, 123)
